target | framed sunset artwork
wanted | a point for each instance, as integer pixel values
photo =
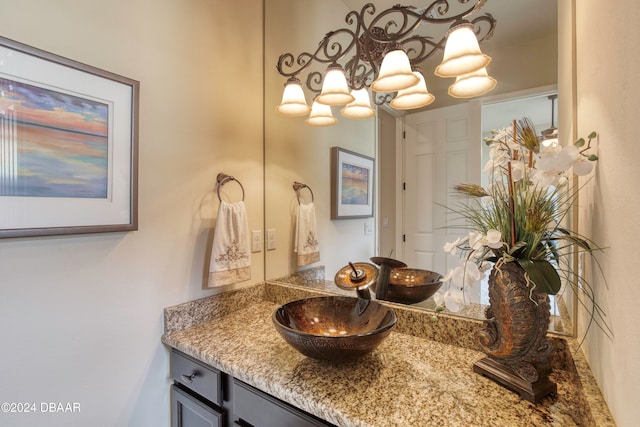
(68, 145)
(351, 184)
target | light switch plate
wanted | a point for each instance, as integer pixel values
(368, 227)
(256, 241)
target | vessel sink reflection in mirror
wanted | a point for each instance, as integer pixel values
(412, 285)
(336, 328)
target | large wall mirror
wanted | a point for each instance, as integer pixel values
(524, 49)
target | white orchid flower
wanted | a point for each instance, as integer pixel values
(456, 276)
(504, 133)
(465, 274)
(438, 298)
(547, 162)
(490, 165)
(451, 248)
(473, 272)
(566, 157)
(582, 167)
(494, 166)
(494, 239)
(454, 300)
(550, 150)
(543, 179)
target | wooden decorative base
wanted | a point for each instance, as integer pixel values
(533, 392)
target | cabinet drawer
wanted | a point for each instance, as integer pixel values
(261, 410)
(196, 376)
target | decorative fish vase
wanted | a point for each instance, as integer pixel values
(514, 334)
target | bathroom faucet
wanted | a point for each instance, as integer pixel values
(384, 275)
(357, 276)
(361, 276)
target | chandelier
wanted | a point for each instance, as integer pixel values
(381, 53)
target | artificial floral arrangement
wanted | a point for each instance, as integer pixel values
(519, 216)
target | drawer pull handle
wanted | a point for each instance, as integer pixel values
(189, 378)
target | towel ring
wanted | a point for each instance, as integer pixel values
(297, 186)
(222, 179)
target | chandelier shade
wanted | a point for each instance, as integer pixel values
(360, 108)
(395, 72)
(335, 90)
(417, 96)
(321, 115)
(293, 102)
(462, 53)
(473, 84)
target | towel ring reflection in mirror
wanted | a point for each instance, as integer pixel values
(297, 186)
(222, 179)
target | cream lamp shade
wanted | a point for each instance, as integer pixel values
(360, 108)
(417, 96)
(473, 84)
(321, 115)
(335, 90)
(293, 102)
(395, 72)
(462, 53)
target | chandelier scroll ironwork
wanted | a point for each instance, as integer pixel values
(358, 49)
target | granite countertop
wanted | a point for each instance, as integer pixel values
(421, 375)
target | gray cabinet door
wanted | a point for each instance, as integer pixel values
(188, 411)
(258, 409)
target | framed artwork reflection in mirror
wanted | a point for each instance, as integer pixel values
(352, 184)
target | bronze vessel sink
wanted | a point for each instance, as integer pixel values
(336, 328)
(411, 285)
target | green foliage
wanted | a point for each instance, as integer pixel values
(543, 274)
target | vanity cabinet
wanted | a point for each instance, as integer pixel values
(202, 396)
(196, 394)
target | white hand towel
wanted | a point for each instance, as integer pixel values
(231, 250)
(306, 239)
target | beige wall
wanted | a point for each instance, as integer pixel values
(298, 152)
(81, 316)
(608, 101)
